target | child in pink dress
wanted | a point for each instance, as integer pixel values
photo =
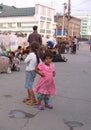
(46, 85)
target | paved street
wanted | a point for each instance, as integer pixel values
(72, 103)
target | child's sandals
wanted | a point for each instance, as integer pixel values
(49, 106)
(26, 100)
(40, 107)
(30, 102)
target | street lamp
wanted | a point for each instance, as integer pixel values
(63, 21)
(69, 12)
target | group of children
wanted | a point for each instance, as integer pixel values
(45, 86)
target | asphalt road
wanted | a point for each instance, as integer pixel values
(72, 103)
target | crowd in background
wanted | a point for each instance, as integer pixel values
(12, 41)
(17, 44)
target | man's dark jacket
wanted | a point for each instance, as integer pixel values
(35, 37)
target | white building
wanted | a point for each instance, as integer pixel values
(85, 24)
(23, 19)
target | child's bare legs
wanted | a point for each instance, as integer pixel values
(28, 97)
(31, 96)
(30, 75)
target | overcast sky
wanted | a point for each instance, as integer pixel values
(77, 6)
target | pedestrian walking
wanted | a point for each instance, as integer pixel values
(31, 61)
(46, 85)
(35, 36)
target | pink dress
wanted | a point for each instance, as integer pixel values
(46, 84)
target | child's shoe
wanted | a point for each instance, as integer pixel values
(30, 102)
(40, 107)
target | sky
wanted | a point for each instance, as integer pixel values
(77, 6)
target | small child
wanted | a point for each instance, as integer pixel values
(31, 61)
(46, 85)
(14, 62)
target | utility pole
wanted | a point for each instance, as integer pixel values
(68, 20)
(63, 21)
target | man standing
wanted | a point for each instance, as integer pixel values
(35, 36)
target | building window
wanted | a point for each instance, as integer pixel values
(19, 25)
(1, 25)
(9, 25)
(43, 10)
(48, 12)
(48, 25)
(41, 24)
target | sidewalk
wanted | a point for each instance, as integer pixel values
(71, 103)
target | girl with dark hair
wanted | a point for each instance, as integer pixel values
(31, 62)
(46, 85)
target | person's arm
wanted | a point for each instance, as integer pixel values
(53, 67)
(28, 40)
(27, 59)
(54, 74)
(40, 39)
(38, 71)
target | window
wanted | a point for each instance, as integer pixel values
(9, 25)
(48, 25)
(19, 24)
(1, 25)
(43, 11)
(41, 24)
(48, 12)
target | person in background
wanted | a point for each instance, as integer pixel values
(50, 42)
(46, 85)
(89, 42)
(59, 42)
(19, 52)
(35, 36)
(14, 62)
(4, 52)
(76, 42)
(32, 60)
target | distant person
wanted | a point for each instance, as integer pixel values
(35, 36)
(50, 43)
(31, 61)
(59, 46)
(14, 62)
(89, 42)
(46, 85)
(76, 42)
(73, 48)
(19, 52)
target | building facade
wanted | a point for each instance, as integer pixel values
(74, 24)
(85, 25)
(23, 19)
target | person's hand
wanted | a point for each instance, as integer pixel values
(42, 74)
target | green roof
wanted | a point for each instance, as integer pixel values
(11, 11)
